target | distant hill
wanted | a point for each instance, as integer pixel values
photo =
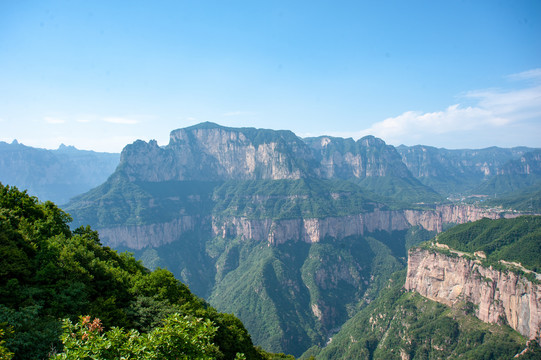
(452, 172)
(55, 175)
(516, 239)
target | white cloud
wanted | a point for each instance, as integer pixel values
(514, 105)
(497, 117)
(120, 120)
(52, 120)
(534, 74)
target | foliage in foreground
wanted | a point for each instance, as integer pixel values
(180, 337)
(48, 273)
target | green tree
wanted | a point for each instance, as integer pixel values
(180, 337)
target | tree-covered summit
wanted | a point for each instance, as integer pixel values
(517, 240)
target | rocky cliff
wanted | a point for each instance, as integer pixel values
(456, 171)
(527, 164)
(309, 230)
(313, 230)
(212, 152)
(428, 161)
(346, 158)
(137, 237)
(498, 296)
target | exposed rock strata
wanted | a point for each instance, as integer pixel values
(153, 235)
(308, 230)
(212, 152)
(315, 229)
(498, 295)
(216, 153)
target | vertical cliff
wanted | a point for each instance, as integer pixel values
(313, 230)
(211, 152)
(498, 295)
(346, 158)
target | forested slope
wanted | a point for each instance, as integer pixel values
(49, 273)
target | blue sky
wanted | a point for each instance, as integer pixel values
(100, 74)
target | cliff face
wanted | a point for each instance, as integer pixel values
(346, 158)
(309, 230)
(212, 152)
(137, 237)
(527, 164)
(498, 295)
(315, 229)
(427, 161)
(458, 171)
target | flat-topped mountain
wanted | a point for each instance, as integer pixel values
(212, 152)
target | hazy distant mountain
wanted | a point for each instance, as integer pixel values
(456, 171)
(55, 175)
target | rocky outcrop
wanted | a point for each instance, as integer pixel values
(308, 230)
(153, 235)
(312, 230)
(430, 162)
(346, 158)
(212, 152)
(497, 295)
(527, 164)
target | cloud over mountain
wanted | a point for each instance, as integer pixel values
(512, 113)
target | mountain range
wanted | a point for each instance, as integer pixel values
(55, 175)
(299, 237)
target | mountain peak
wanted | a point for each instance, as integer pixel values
(205, 125)
(63, 147)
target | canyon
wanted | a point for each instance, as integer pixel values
(292, 235)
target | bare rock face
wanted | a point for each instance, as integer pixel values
(312, 230)
(498, 295)
(427, 161)
(211, 152)
(527, 164)
(153, 235)
(346, 158)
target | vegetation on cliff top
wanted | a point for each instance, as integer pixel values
(515, 240)
(290, 199)
(49, 273)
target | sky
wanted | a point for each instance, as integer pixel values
(99, 75)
